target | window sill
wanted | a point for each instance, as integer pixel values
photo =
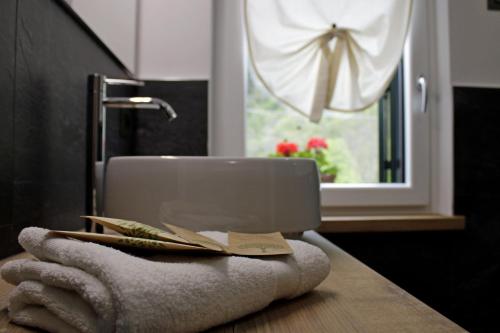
(434, 222)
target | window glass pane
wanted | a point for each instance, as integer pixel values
(352, 137)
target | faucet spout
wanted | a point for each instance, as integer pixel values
(140, 103)
(98, 103)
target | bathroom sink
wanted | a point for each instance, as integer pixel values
(212, 193)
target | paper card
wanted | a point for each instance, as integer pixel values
(135, 229)
(257, 244)
(143, 236)
(134, 242)
(195, 238)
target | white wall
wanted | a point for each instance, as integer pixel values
(474, 44)
(175, 39)
(155, 39)
(114, 21)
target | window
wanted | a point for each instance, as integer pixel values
(400, 160)
(366, 146)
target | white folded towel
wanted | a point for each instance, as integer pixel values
(76, 286)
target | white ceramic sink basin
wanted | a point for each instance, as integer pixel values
(210, 193)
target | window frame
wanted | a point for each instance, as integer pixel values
(391, 127)
(428, 150)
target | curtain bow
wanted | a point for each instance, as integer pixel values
(312, 64)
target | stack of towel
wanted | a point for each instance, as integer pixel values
(76, 286)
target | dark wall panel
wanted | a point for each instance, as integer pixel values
(7, 71)
(477, 161)
(45, 58)
(186, 135)
(55, 55)
(477, 196)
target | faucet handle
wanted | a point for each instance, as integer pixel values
(123, 82)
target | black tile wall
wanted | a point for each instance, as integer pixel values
(149, 132)
(477, 180)
(185, 136)
(45, 58)
(457, 273)
(7, 69)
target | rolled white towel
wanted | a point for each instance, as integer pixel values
(86, 287)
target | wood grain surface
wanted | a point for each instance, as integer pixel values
(353, 298)
(397, 223)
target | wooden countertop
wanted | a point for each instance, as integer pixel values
(353, 298)
(388, 223)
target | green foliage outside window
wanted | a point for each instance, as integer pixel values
(352, 137)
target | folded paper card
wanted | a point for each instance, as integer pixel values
(141, 236)
(126, 241)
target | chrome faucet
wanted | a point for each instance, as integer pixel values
(98, 102)
(140, 103)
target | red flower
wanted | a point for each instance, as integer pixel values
(286, 148)
(316, 143)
